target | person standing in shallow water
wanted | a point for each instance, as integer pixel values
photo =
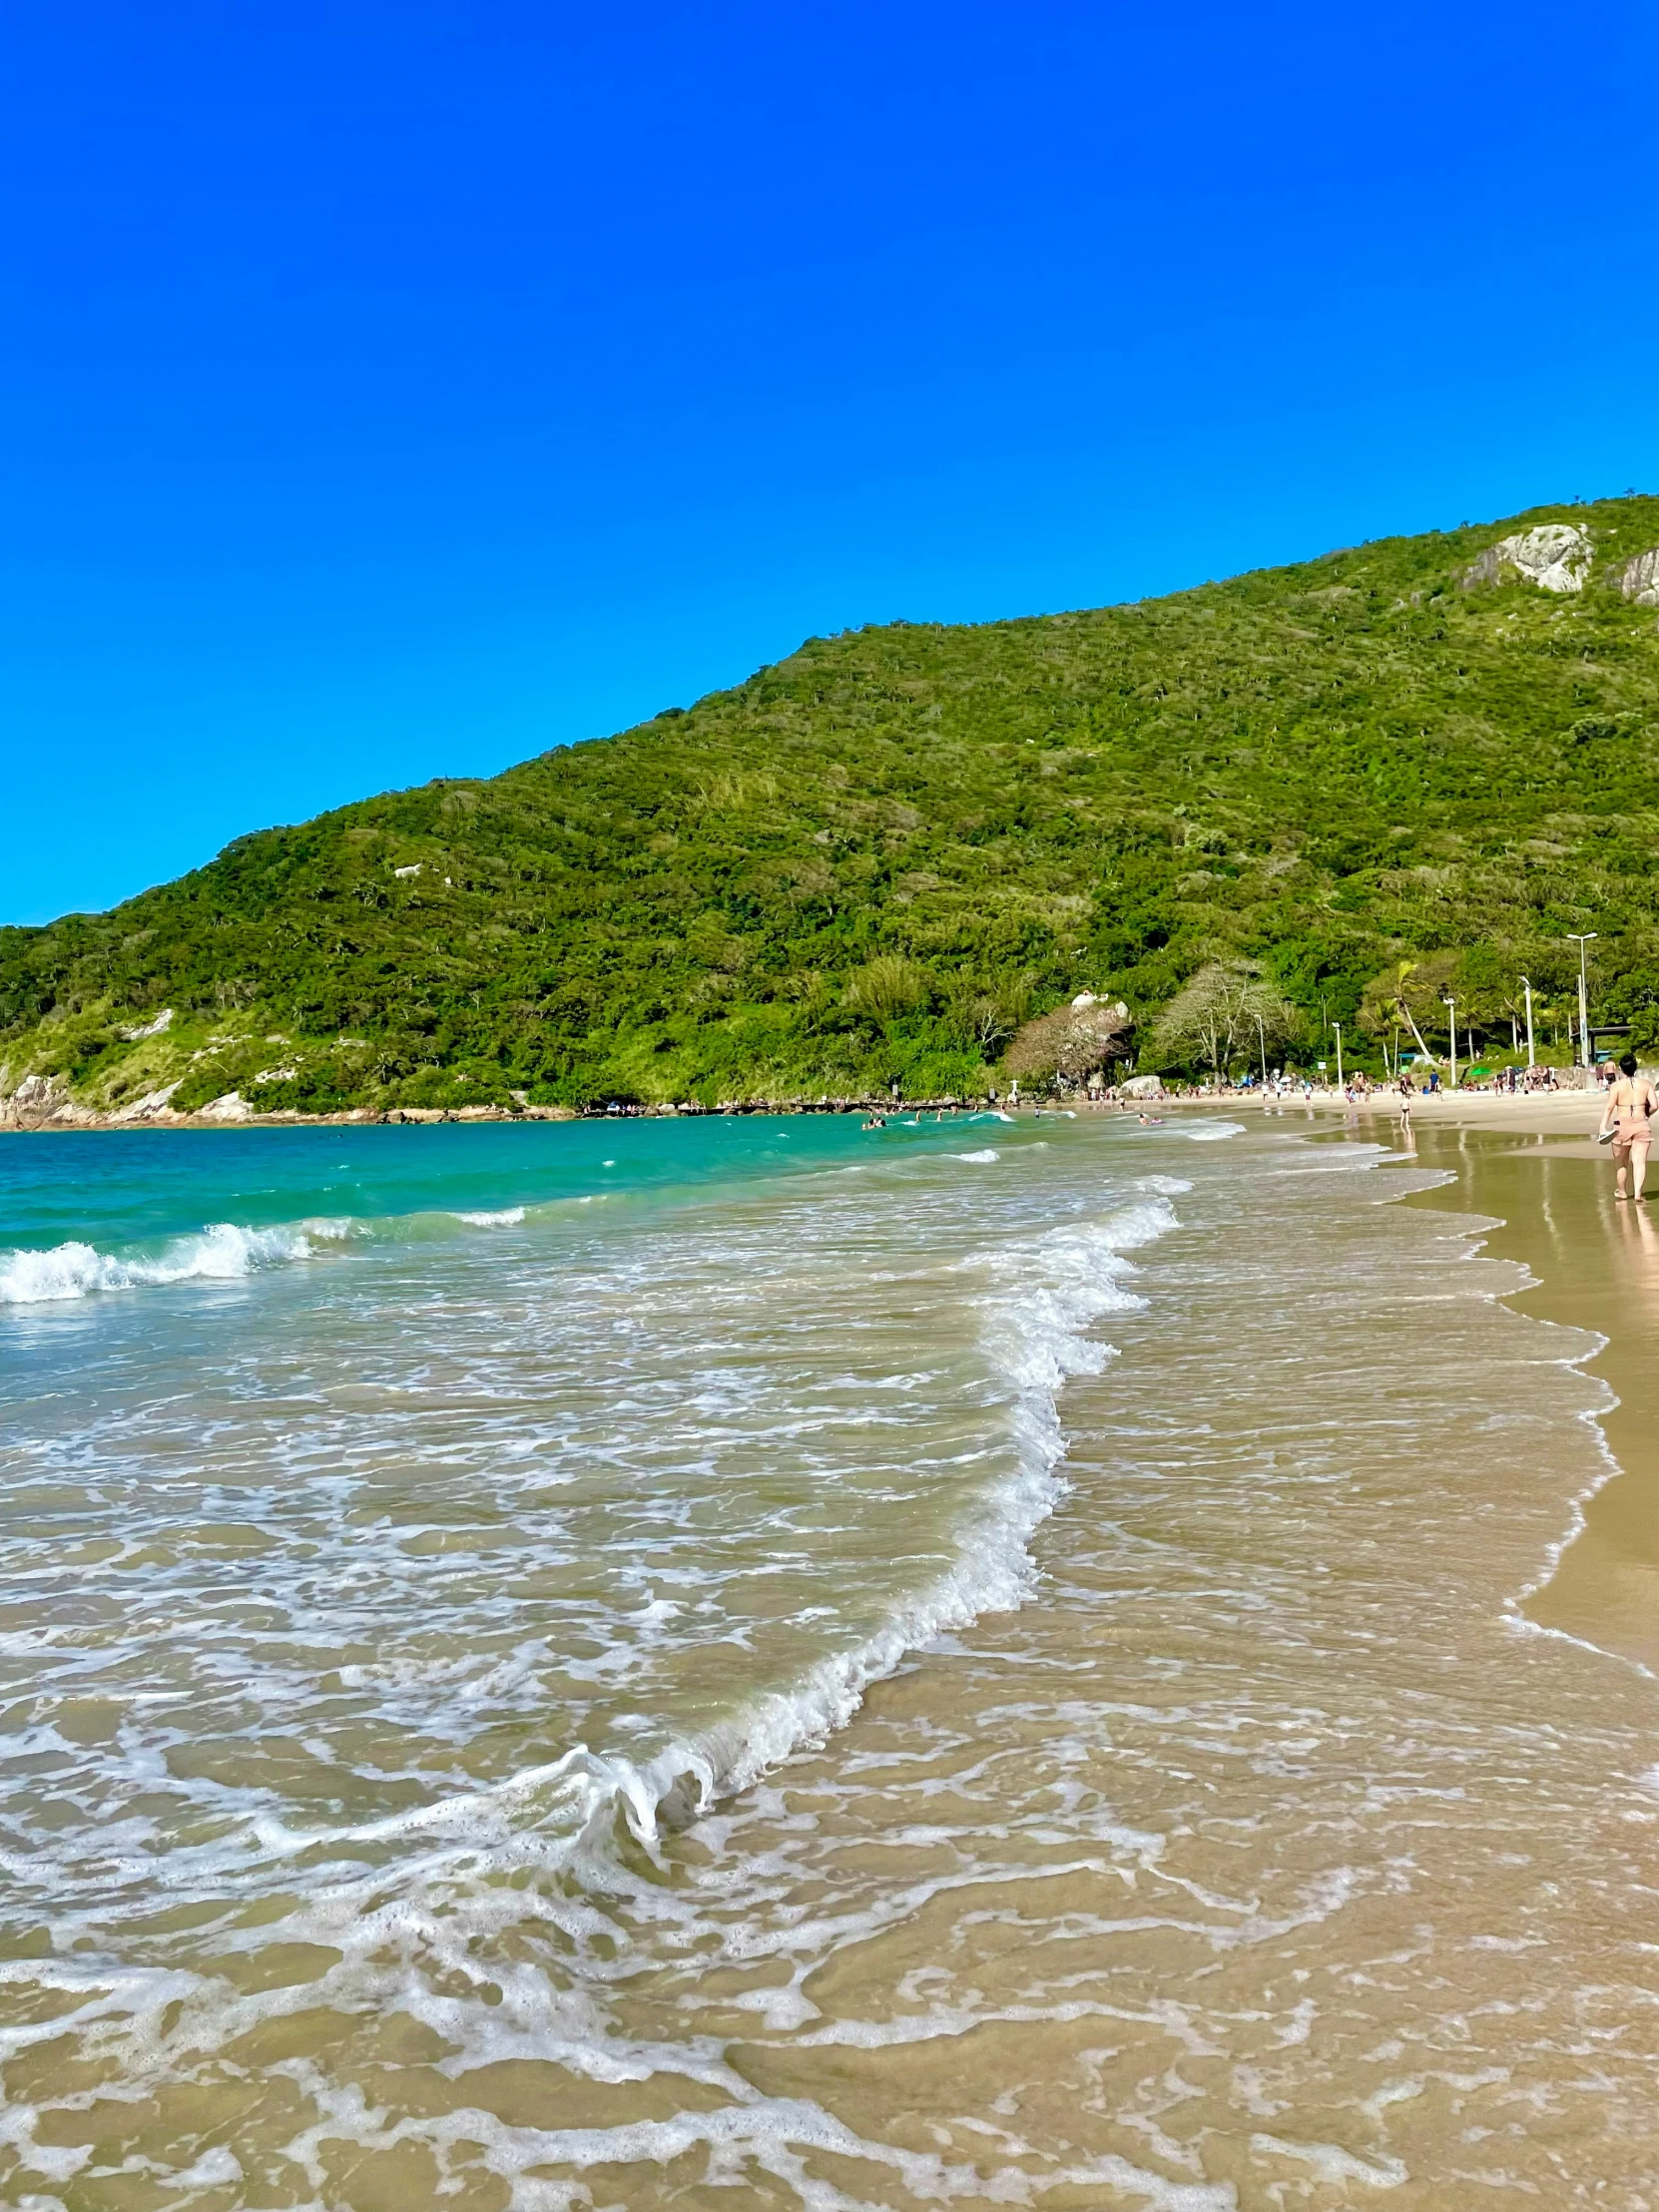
(1631, 1105)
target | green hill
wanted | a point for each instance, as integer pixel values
(874, 859)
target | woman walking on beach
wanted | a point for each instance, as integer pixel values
(1628, 1117)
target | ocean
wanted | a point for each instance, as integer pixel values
(749, 1661)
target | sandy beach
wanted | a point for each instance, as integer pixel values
(1533, 1163)
(1596, 1264)
(1254, 1808)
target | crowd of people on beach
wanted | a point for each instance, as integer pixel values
(1630, 1102)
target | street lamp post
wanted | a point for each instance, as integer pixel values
(1582, 938)
(1526, 982)
(1452, 1007)
(1262, 1041)
(1336, 1026)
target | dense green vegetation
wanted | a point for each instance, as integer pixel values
(875, 860)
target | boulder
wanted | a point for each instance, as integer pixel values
(1639, 579)
(1556, 556)
(229, 1106)
(41, 1102)
(149, 1106)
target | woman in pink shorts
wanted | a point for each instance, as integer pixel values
(1631, 1105)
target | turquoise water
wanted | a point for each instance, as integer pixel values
(130, 1195)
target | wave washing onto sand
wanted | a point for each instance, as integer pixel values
(917, 1396)
(1039, 1303)
(220, 1253)
(953, 1962)
(1038, 1315)
(1036, 1332)
(507, 1217)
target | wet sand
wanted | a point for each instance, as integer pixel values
(1269, 1859)
(1597, 1265)
(1534, 1163)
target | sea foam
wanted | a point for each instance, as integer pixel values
(221, 1252)
(1038, 1315)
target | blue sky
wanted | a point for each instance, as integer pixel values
(391, 391)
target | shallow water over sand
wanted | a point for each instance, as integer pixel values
(1265, 1856)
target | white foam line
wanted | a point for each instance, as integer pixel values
(1038, 1337)
(764, 2131)
(1045, 1298)
(220, 1253)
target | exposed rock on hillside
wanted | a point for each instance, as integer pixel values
(1556, 556)
(41, 1102)
(1639, 579)
(151, 1105)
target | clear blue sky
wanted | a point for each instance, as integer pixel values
(396, 390)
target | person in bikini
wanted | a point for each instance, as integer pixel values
(1628, 1114)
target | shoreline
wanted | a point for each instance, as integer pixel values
(1525, 1162)
(1568, 1113)
(87, 1121)
(1593, 1265)
(1245, 1792)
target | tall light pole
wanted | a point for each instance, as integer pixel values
(1582, 938)
(1452, 1007)
(1526, 981)
(1262, 1041)
(1336, 1026)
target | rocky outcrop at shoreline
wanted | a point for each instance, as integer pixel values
(40, 1105)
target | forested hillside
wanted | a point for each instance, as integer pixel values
(1397, 770)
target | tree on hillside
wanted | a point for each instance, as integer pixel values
(988, 1019)
(1072, 1041)
(1224, 1011)
(887, 987)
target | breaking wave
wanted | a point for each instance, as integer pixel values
(220, 1253)
(1041, 1305)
